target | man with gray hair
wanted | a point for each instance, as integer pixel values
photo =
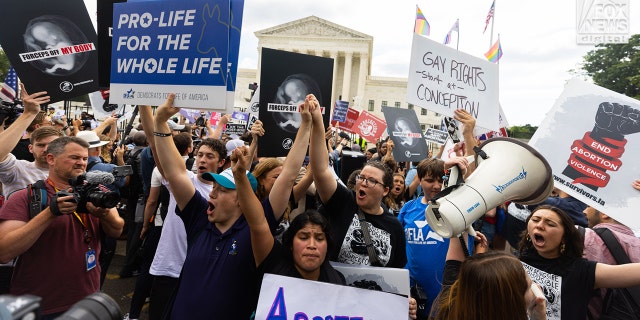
(59, 235)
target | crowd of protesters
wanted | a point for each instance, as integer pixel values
(214, 218)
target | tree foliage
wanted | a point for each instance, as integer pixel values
(616, 66)
(4, 65)
(522, 132)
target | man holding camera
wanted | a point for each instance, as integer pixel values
(58, 246)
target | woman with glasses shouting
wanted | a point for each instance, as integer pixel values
(365, 232)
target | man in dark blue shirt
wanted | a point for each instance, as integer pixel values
(219, 277)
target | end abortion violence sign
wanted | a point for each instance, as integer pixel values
(163, 47)
(443, 79)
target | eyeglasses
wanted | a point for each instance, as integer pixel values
(368, 181)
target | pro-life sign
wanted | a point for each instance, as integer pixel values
(37, 55)
(163, 47)
(436, 136)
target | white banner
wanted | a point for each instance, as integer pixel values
(392, 280)
(443, 79)
(101, 107)
(285, 298)
(590, 138)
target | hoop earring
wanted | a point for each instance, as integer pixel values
(527, 238)
(562, 248)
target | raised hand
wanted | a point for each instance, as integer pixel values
(240, 160)
(224, 119)
(32, 102)
(257, 129)
(467, 120)
(314, 106)
(167, 109)
(306, 108)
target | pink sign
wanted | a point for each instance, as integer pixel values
(369, 126)
(352, 116)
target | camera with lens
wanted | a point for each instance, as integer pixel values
(96, 306)
(10, 111)
(90, 187)
(86, 123)
(200, 122)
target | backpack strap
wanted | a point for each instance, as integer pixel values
(581, 230)
(621, 257)
(37, 193)
(613, 245)
(91, 164)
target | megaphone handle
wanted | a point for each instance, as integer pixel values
(463, 244)
(471, 231)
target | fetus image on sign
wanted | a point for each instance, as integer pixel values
(406, 133)
(292, 91)
(55, 45)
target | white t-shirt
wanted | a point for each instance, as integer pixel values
(156, 182)
(172, 247)
(17, 174)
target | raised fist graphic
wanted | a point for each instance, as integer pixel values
(600, 150)
(616, 120)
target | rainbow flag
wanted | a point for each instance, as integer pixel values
(422, 26)
(495, 53)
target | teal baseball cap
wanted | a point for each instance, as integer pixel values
(225, 179)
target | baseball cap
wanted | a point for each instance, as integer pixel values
(232, 145)
(225, 179)
(174, 126)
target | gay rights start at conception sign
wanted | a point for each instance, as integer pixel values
(163, 47)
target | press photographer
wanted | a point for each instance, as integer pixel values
(58, 246)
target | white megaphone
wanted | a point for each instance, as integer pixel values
(507, 170)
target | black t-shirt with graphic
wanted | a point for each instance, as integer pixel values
(566, 282)
(385, 229)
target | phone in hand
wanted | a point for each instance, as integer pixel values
(122, 171)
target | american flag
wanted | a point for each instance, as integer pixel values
(489, 15)
(10, 86)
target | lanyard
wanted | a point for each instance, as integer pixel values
(82, 219)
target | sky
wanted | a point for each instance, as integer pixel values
(538, 39)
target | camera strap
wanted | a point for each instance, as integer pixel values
(37, 198)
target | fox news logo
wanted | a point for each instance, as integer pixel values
(602, 21)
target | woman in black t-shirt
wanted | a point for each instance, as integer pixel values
(551, 252)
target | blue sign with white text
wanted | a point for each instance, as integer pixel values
(162, 47)
(235, 27)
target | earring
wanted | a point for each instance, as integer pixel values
(562, 248)
(527, 238)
